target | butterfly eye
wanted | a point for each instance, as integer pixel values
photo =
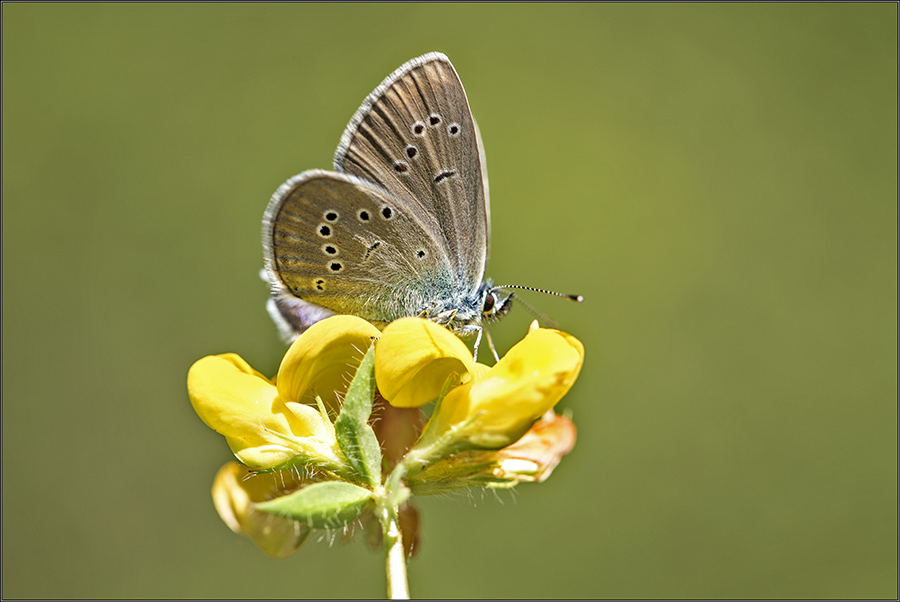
(488, 303)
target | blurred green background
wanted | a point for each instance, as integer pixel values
(718, 181)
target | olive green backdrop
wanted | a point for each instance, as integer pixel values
(719, 182)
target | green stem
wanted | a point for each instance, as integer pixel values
(395, 557)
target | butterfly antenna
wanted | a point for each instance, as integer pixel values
(577, 298)
(540, 316)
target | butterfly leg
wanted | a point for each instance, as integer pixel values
(443, 318)
(477, 342)
(491, 345)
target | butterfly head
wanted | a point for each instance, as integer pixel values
(494, 302)
(465, 315)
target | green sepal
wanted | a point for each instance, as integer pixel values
(351, 429)
(460, 471)
(323, 412)
(328, 505)
(432, 447)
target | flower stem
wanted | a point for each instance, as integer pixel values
(395, 557)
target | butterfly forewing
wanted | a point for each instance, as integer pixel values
(415, 136)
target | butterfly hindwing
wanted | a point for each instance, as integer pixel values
(349, 246)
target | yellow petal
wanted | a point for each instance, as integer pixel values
(323, 360)
(414, 358)
(479, 370)
(242, 366)
(235, 490)
(529, 380)
(261, 427)
(228, 397)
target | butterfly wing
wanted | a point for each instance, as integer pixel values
(415, 136)
(334, 243)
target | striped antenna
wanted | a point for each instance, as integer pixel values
(577, 298)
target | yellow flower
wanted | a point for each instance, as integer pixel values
(235, 493)
(413, 360)
(269, 424)
(310, 431)
(492, 407)
(530, 459)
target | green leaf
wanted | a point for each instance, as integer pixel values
(328, 505)
(352, 431)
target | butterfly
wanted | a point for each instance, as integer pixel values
(401, 227)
